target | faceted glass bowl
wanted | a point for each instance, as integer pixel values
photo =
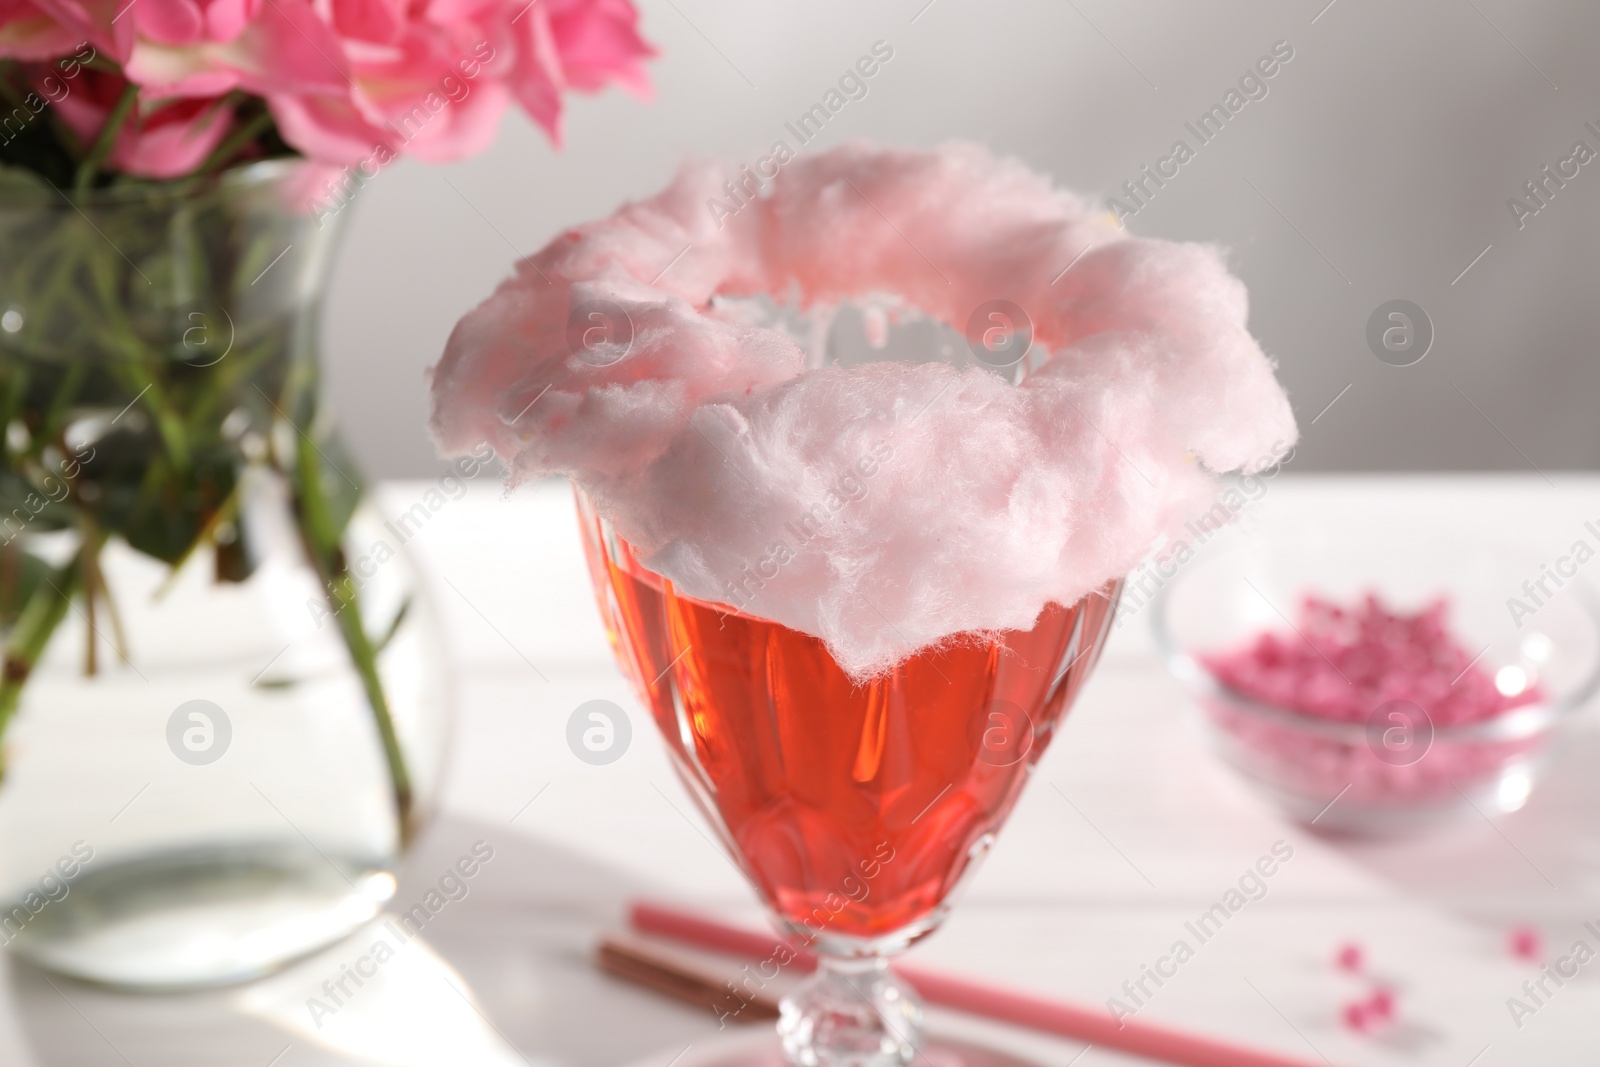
(1385, 775)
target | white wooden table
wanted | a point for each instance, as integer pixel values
(1129, 830)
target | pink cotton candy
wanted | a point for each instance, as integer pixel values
(889, 506)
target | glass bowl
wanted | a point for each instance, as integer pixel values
(1395, 772)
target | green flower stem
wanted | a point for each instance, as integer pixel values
(55, 419)
(91, 632)
(103, 64)
(46, 606)
(15, 88)
(97, 590)
(138, 371)
(150, 391)
(107, 139)
(119, 633)
(234, 143)
(227, 511)
(229, 379)
(8, 91)
(321, 541)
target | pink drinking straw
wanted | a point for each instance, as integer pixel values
(1036, 1013)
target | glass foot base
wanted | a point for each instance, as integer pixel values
(760, 1047)
(197, 918)
(851, 1014)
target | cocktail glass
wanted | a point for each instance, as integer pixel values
(855, 810)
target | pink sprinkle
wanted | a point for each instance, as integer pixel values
(1399, 675)
(1526, 944)
(1351, 958)
(1358, 1017)
(1346, 661)
(1364, 1016)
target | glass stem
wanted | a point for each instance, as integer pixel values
(853, 1012)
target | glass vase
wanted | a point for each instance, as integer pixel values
(222, 705)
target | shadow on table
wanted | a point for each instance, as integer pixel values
(1539, 865)
(499, 975)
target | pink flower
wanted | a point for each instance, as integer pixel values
(432, 94)
(28, 32)
(431, 78)
(160, 139)
(347, 81)
(207, 47)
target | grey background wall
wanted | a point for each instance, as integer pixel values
(1378, 166)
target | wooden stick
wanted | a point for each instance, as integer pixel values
(677, 979)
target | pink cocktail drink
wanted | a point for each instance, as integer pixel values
(854, 808)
